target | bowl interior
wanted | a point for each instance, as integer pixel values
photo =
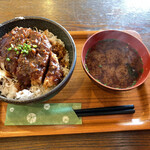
(56, 29)
(124, 37)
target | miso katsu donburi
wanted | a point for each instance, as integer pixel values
(32, 62)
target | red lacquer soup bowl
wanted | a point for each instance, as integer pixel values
(133, 39)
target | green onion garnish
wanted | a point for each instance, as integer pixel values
(97, 80)
(24, 44)
(22, 51)
(8, 59)
(86, 67)
(19, 45)
(12, 46)
(15, 49)
(27, 52)
(9, 49)
(25, 48)
(34, 46)
(29, 46)
(19, 48)
(134, 82)
(17, 52)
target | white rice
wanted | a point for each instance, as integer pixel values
(8, 88)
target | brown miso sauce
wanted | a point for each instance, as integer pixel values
(114, 63)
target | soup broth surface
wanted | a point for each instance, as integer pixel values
(114, 63)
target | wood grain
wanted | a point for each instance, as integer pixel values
(136, 140)
(85, 14)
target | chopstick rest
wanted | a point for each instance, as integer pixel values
(124, 109)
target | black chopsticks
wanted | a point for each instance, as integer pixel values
(124, 109)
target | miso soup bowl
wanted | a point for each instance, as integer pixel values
(130, 37)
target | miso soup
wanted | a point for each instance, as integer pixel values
(114, 63)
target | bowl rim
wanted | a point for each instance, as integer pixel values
(63, 82)
(101, 84)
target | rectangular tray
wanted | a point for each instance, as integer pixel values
(80, 89)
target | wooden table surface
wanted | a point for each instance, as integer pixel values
(84, 15)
